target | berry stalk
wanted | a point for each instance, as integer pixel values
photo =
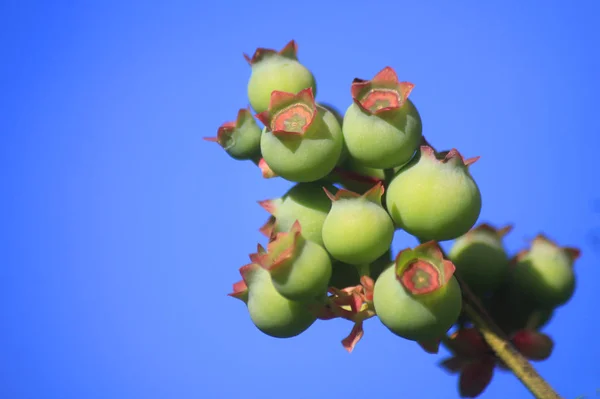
(516, 362)
(501, 345)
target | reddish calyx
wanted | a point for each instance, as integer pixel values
(240, 291)
(451, 156)
(280, 250)
(266, 171)
(420, 277)
(288, 113)
(423, 269)
(533, 345)
(473, 359)
(382, 93)
(487, 228)
(352, 303)
(540, 239)
(374, 194)
(289, 51)
(225, 132)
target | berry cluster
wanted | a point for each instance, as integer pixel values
(360, 177)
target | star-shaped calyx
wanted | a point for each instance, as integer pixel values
(289, 51)
(374, 194)
(452, 156)
(351, 303)
(225, 133)
(423, 269)
(382, 93)
(240, 288)
(288, 113)
(488, 229)
(280, 250)
(239, 138)
(543, 243)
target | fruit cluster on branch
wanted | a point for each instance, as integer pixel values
(358, 178)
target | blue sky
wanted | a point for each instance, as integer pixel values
(122, 230)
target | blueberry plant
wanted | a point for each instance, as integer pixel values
(358, 177)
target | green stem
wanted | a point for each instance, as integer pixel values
(501, 345)
(516, 362)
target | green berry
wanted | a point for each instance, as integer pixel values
(418, 298)
(480, 258)
(300, 269)
(270, 312)
(545, 272)
(301, 142)
(382, 128)
(276, 71)
(434, 197)
(344, 275)
(306, 203)
(512, 310)
(240, 138)
(357, 230)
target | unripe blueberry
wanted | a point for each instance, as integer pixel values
(306, 203)
(512, 309)
(357, 229)
(240, 138)
(418, 298)
(344, 275)
(434, 196)
(545, 272)
(480, 258)
(270, 312)
(300, 269)
(276, 71)
(301, 142)
(382, 128)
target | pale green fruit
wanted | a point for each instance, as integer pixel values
(306, 203)
(382, 141)
(303, 277)
(416, 317)
(358, 230)
(272, 313)
(299, 268)
(513, 310)
(434, 199)
(545, 273)
(239, 138)
(305, 157)
(273, 71)
(480, 258)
